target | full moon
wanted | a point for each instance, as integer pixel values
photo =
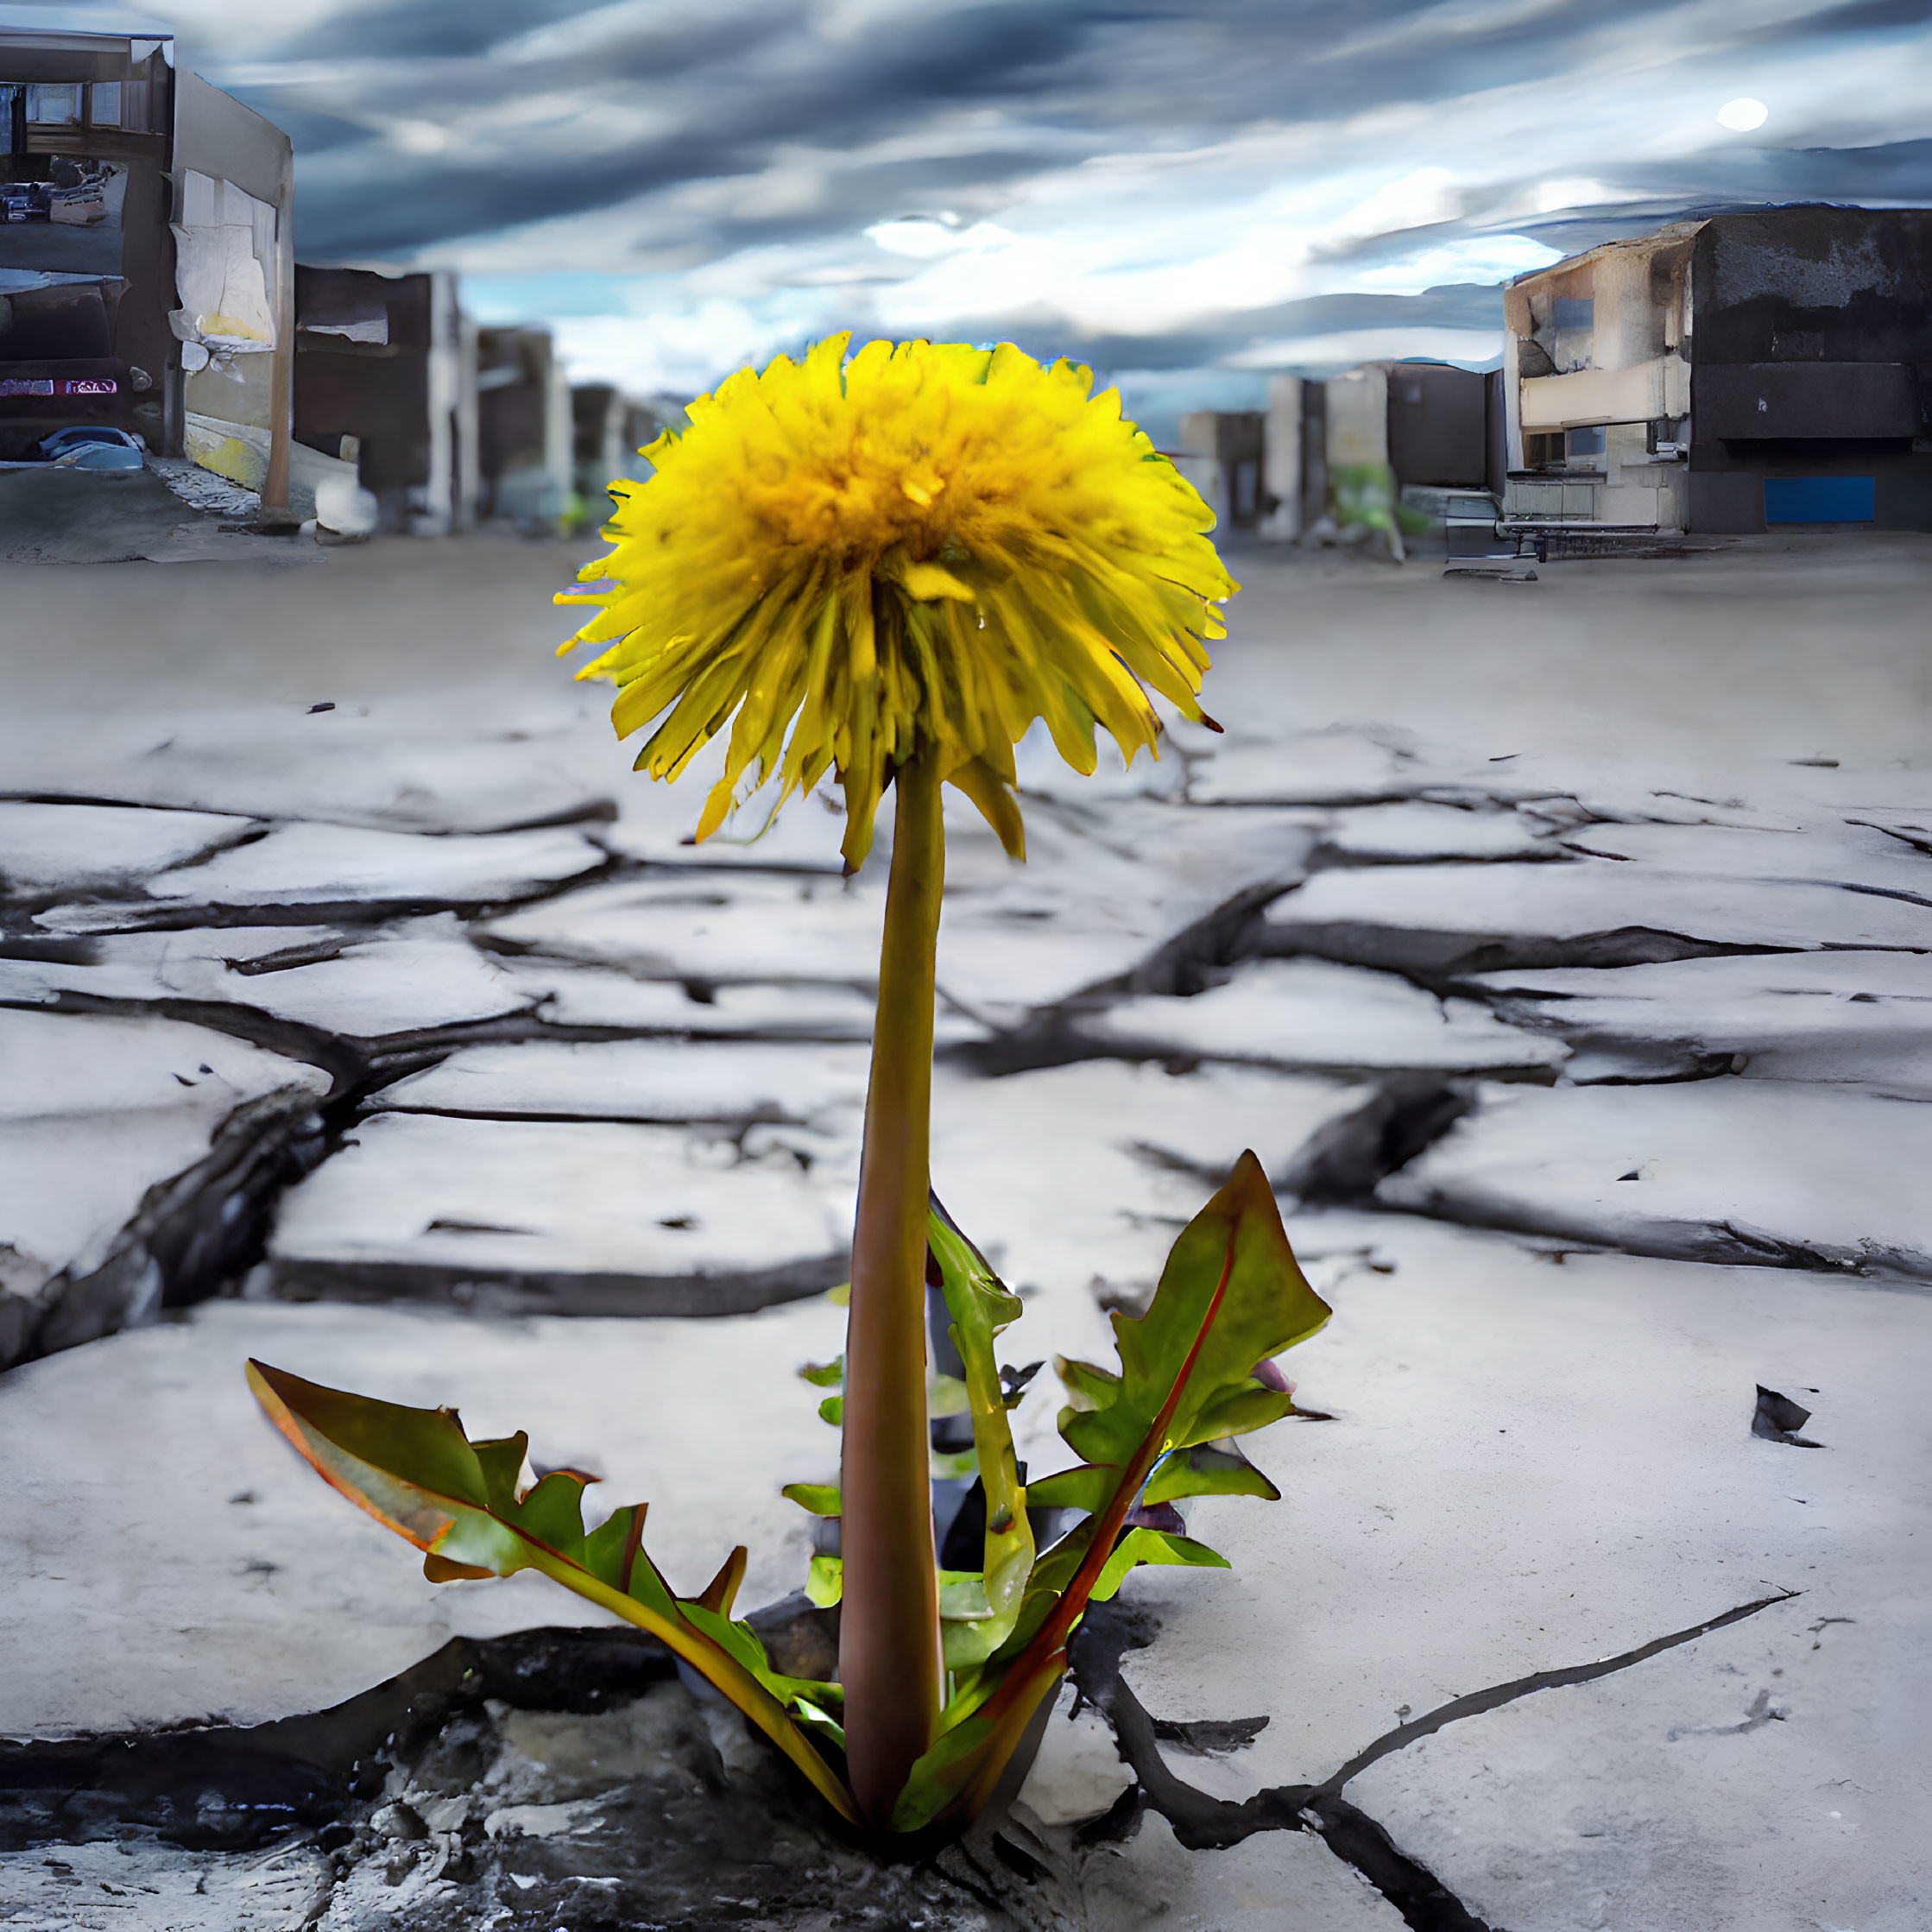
(1743, 115)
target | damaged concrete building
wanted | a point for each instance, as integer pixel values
(386, 380)
(525, 429)
(1729, 374)
(146, 254)
(1420, 425)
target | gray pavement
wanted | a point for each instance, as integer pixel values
(1561, 947)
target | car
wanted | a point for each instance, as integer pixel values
(93, 446)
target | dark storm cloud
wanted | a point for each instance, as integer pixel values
(737, 83)
(1147, 185)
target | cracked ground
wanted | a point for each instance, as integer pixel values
(1559, 947)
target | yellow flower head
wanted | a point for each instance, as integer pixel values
(919, 550)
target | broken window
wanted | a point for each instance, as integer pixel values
(103, 103)
(56, 104)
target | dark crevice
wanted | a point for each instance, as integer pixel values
(757, 1116)
(1187, 962)
(504, 1291)
(145, 916)
(1202, 1821)
(1344, 1160)
(1715, 1243)
(1437, 959)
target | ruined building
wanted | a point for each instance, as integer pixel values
(145, 258)
(1725, 375)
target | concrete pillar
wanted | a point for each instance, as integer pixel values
(1282, 460)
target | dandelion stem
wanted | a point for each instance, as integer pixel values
(889, 1623)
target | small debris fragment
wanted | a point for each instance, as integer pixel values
(1778, 1419)
(328, 706)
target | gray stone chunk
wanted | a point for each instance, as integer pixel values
(1706, 1170)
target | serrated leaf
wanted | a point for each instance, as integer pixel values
(1152, 1546)
(824, 1374)
(1206, 1469)
(722, 1591)
(610, 1550)
(1231, 1294)
(414, 1470)
(501, 1462)
(817, 1498)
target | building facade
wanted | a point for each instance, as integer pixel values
(386, 379)
(525, 429)
(146, 254)
(1729, 374)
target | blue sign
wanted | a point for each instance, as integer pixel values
(1820, 500)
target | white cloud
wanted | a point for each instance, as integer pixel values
(1478, 258)
(1343, 348)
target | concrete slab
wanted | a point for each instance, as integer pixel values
(1308, 1012)
(577, 1218)
(638, 1080)
(444, 763)
(1534, 1465)
(343, 865)
(1858, 857)
(405, 977)
(1460, 918)
(1865, 1017)
(172, 1560)
(1702, 1169)
(1417, 830)
(711, 927)
(76, 847)
(102, 1122)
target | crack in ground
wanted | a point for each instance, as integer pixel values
(1200, 1821)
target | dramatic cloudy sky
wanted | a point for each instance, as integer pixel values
(1190, 197)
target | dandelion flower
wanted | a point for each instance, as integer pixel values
(921, 550)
